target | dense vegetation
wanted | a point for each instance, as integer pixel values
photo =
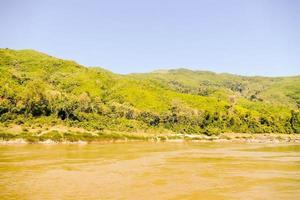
(39, 89)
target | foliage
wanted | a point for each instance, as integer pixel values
(39, 89)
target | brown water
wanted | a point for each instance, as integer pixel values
(143, 170)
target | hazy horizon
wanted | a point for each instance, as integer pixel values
(252, 38)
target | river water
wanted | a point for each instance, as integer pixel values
(145, 170)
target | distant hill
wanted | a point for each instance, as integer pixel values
(35, 87)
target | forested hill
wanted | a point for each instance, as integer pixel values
(38, 88)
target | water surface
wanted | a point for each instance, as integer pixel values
(141, 170)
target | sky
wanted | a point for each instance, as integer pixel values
(246, 37)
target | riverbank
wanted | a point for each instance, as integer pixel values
(55, 137)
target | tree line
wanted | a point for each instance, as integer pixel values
(36, 101)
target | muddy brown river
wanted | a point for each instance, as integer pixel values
(145, 170)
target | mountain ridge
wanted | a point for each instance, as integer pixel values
(153, 71)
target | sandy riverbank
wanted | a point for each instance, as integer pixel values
(224, 137)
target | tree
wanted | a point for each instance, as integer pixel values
(67, 107)
(35, 99)
(84, 101)
(295, 121)
(53, 97)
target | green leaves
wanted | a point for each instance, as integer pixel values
(295, 121)
(36, 85)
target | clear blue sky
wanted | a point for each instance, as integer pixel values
(249, 37)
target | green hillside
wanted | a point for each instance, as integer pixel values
(40, 90)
